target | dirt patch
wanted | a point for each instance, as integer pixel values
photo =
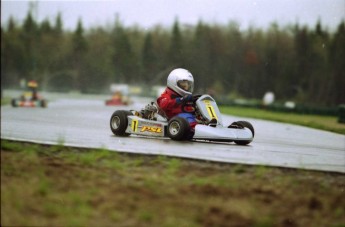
(72, 187)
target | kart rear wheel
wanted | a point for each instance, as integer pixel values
(243, 124)
(14, 103)
(43, 103)
(178, 129)
(119, 122)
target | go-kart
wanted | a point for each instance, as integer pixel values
(152, 122)
(118, 99)
(115, 102)
(26, 100)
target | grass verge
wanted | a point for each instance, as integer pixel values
(328, 123)
(5, 101)
(62, 186)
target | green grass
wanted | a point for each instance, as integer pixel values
(5, 101)
(63, 186)
(328, 123)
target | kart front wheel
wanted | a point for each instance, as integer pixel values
(243, 124)
(178, 129)
(119, 122)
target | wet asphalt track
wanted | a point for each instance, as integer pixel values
(84, 122)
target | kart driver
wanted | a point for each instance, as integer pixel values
(31, 91)
(32, 85)
(176, 100)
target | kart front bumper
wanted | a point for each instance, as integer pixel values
(220, 133)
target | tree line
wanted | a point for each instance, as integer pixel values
(295, 62)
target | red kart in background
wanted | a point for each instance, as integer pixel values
(120, 95)
(117, 99)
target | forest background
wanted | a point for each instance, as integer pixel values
(297, 63)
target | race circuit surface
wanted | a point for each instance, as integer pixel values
(84, 122)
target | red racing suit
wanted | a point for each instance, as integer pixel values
(168, 103)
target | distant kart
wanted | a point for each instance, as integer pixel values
(117, 99)
(26, 100)
(115, 102)
(209, 128)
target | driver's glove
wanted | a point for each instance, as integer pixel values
(184, 99)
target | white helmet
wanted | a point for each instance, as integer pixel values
(181, 81)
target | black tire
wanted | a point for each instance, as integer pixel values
(248, 125)
(43, 103)
(179, 129)
(119, 122)
(14, 103)
(243, 124)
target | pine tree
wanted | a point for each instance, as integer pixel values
(79, 50)
(149, 60)
(176, 52)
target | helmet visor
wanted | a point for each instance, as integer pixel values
(185, 85)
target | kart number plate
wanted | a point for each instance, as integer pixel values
(210, 110)
(134, 125)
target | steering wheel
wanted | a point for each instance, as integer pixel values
(195, 97)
